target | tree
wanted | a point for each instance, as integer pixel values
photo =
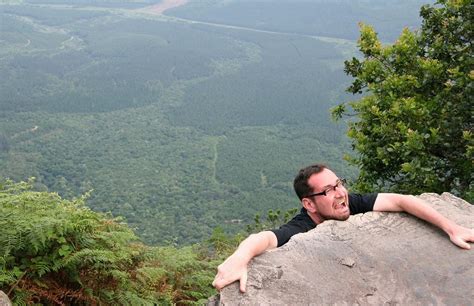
(414, 126)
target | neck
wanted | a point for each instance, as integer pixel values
(317, 219)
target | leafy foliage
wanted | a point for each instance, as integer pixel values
(415, 130)
(55, 251)
(274, 219)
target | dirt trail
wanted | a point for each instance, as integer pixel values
(165, 5)
(34, 129)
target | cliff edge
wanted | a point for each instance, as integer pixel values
(370, 259)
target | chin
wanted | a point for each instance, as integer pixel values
(343, 217)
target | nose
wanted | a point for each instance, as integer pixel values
(339, 191)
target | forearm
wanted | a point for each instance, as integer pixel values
(422, 210)
(255, 245)
(459, 235)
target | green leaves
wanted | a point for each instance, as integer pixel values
(64, 250)
(55, 251)
(273, 220)
(368, 42)
(414, 128)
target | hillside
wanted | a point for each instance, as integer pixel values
(178, 126)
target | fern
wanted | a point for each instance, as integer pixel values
(56, 251)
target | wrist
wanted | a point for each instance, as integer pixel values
(449, 227)
(242, 255)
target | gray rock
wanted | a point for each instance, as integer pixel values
(370, 259)
(4, 300)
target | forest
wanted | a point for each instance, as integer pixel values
(137, 149)
(176, 126)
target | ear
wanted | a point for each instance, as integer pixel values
(308, 205)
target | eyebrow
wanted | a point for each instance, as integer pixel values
(329, 185)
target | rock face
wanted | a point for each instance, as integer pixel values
(370, 259)
(4, 300)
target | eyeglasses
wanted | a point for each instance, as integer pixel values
(329, 190)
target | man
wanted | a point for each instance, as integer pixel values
(324, 197)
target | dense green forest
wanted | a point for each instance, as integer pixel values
(335, 19)
(177, 126)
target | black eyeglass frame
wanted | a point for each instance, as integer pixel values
(340, 182)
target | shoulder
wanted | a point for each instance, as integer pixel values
(361, 203)
(302, 220)
(299, 224)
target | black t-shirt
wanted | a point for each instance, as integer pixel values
(358, 203)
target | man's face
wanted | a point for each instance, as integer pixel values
(334, 205)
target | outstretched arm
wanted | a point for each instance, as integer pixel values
(459, 235)
(235, 266)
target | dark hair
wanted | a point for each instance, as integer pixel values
(300, 184)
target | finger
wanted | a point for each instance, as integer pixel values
(218, 282)
(462, 244)
(214, 282)
(218, 285)
(243, 282)
(471, 238)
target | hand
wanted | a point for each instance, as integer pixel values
(460, 236)
(234, 268)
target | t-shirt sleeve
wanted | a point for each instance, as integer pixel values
(361, 203)
(299, 224)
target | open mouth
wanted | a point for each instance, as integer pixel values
(341, 206)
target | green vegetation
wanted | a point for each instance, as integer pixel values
(267, 90)
(190, 130)
(315, 17)
(55, 251)
(274, 219)
(178, 128)
(414, 127)
(129, 4)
